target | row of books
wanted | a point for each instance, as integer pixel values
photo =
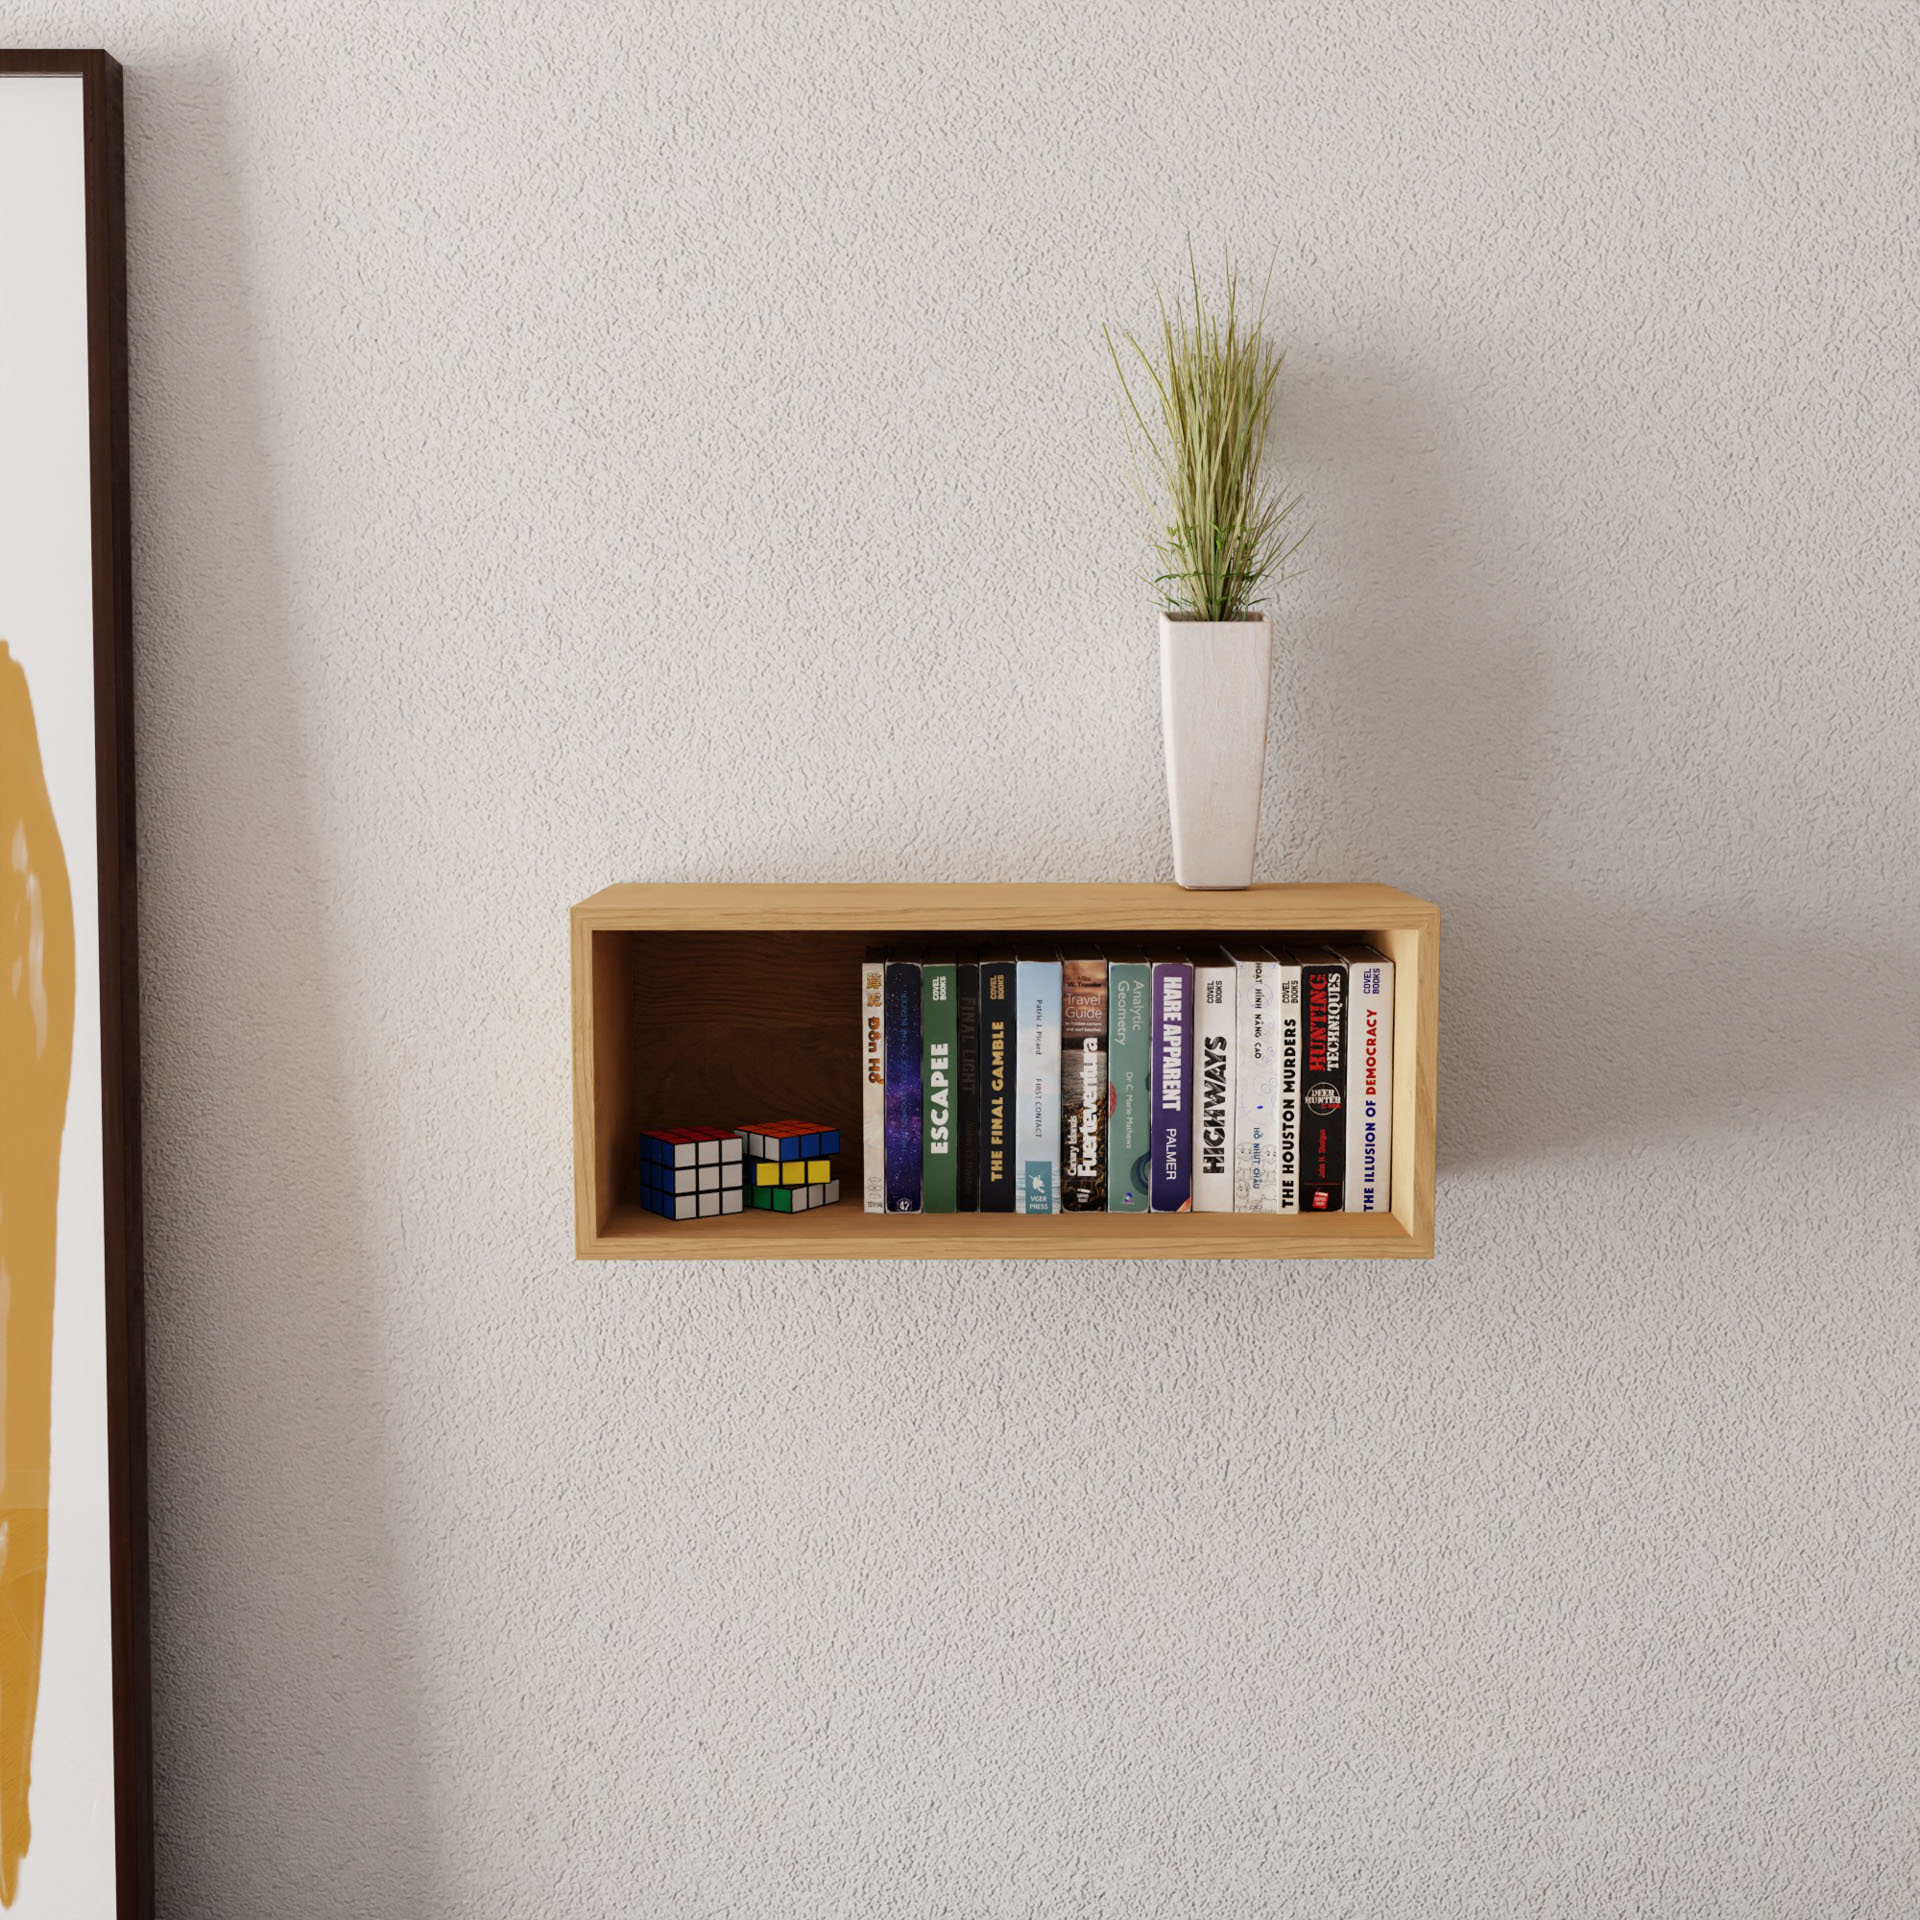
(1247, 1081)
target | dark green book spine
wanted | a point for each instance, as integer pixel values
(940, 1076)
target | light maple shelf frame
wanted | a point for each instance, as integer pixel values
(716, 1005)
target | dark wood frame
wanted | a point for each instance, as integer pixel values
(119, 952)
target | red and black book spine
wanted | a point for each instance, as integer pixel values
(1323, 1083)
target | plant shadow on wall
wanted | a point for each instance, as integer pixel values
(1427, 731)
(289, 1730)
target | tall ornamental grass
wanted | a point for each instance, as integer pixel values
(1197, 427)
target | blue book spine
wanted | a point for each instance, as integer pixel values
(1038, 1035)
(1172, 1127)
(1129, 1078)
(900, 1029)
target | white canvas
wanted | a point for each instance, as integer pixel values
(46, 619)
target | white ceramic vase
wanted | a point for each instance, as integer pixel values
(1214, 676)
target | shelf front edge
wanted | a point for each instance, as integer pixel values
(881, 906)
(847, 1234)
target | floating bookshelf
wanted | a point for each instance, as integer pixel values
(714, 1005)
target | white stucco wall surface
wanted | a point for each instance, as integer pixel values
(577, 443)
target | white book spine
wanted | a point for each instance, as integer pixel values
(1037, 1140)
(1216, 988)
(1256, 1184)
(1369, 1082)
(873, 1088)
(1286, 1128)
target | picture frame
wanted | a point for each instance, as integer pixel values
(76, 1820)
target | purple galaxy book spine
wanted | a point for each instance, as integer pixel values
(900, 1034)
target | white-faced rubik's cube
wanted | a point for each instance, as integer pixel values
(790, 1165)
(688, 1173)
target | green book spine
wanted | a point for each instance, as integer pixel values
(1129, 1062)
(940, 1079)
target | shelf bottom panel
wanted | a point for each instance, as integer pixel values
(848, 1232)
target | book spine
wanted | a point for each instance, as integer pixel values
(1039, 1085)
(901, 1037)
(940, 1086)
(1256, 1188)
(967, 1144)
(998, 1075)
(1217, 1003)
(1323, 1087)
(873, 1090)
(1129, 1073)
(1287, 1094)
(1172, 1099)
(1370, 1085)
(1083, 1086)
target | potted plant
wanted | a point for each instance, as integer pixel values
(1198, 409)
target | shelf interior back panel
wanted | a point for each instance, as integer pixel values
(720, 1028)
(731, 1028)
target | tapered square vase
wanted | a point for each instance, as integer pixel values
(1214, 681)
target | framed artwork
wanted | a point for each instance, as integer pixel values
(75, 1778)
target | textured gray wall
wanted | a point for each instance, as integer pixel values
(577, 444)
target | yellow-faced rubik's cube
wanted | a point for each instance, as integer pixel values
(790, 1165)
(689, 1173)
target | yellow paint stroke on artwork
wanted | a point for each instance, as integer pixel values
(36, 1056)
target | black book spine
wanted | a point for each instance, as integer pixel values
(1323, 1087)
(968, 1200)
(997, 1068)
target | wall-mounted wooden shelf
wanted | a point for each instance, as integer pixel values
(716, 1005)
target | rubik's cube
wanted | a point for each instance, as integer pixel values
(691, 1173)
(790, 1165)
(791, 1140)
